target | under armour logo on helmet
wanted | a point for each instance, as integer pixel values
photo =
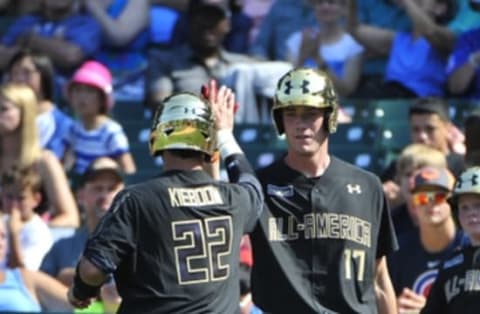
(288, 87)
(473, 181)
(304, 87)
(305, 84)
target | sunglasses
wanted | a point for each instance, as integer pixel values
(425, 198)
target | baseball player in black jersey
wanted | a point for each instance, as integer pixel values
(173, 242)
(457, 287)
(321, 241)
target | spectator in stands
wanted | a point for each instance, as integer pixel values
(430, 125)
(187, 67)
(464, 65)
(256, 10)
(23, 290)
(328, 47)
(65, 36)
(19, 146)
(36, 71)
(237, 38)
(417, 59)
(15, 8)
(29, 236)
(411, 159)
(284, 18)
(125, 38)
(472, 134)
(94, 134)
(414, 267)
(101, 182)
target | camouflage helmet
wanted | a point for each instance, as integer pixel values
(183, 121)
(305, 87)
(468, 182)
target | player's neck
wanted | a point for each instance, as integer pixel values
(175, 163)
(311, 166)
(437, 238)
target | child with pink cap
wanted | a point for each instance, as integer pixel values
(94, 134)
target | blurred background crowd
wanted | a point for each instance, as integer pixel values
(81, 77)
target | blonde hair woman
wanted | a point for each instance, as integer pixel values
(19, 146)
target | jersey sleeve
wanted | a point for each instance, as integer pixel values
(240, 171)
(115, 236)
(387, 240)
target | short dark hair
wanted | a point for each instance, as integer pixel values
(429, 105)
(214, 14)
(44, 66)
(188, 154)
(24, 177)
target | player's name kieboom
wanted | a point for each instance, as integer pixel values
(320, 226)
(202, 196)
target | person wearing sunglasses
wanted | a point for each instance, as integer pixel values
(414, 267)
(457, 288)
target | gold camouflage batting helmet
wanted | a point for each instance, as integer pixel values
(183, 121)
(305, 87)
(468, 182)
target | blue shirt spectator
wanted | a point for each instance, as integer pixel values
(464, 65)
(65, 253)
(52, 126)
(417, 65)
(66, 39)
(285, 18)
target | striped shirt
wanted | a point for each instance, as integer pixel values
(108, 140)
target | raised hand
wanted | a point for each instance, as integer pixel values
(223, 106)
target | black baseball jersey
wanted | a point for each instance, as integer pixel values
(173, 242)
(457, 288)
(317, 241)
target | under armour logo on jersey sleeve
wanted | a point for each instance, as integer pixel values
(282, 191)
(354, 188)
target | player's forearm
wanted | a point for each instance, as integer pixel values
(384, 292)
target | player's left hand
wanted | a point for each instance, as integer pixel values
(77, 303)
(223, 103)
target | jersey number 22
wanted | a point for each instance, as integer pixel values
(200, 249)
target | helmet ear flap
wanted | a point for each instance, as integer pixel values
(278, 121)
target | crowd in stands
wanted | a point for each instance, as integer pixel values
(68, 64)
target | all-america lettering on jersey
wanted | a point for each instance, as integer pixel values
(320, 226)
(201, 196)
(457, 284)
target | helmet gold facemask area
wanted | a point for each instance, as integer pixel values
(305, 87)
(183, 121)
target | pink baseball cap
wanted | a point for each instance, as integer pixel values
(95, 74)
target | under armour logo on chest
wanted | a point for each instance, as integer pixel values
(357, 189)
